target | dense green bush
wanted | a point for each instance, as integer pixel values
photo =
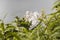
(19, 28)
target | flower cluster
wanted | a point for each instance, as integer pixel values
(32, 17)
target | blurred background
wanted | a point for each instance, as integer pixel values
(12, 8)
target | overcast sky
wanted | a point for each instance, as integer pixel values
(19, 7)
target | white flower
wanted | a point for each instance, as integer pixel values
(32, 16)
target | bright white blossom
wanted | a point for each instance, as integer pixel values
(33, 17)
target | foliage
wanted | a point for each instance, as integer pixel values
(48, 28)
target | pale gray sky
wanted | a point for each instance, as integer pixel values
(19, 7)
